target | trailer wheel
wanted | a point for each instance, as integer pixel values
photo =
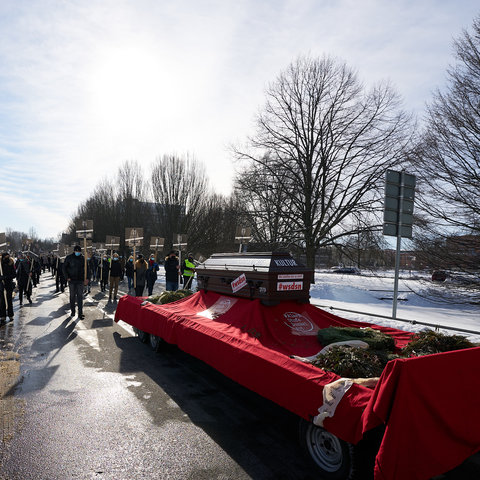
(333, 457)
(155, 342)
(142, 336)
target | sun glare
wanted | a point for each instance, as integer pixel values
(127, 91)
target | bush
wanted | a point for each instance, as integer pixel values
(428, 342)
(351, 362)
(355, 362)
(168, 297)
(376, 340)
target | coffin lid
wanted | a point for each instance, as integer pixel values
(252, 261)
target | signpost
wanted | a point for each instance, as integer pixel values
(181, 240)
(398, 215)
(85, 230)
(156, 243)
(134, 237)
(62, 251)
(111, 242)
(243, 234)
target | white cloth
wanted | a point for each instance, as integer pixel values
(350, 343)
(332, 394)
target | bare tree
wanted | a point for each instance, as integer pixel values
(215, 225)
(15, 239)
(365, 247)
(263, 200)
(179, 187)
(131, 196)
(116, 204)
(449, 155)
(325, 142)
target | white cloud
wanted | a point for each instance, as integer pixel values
(85, 86)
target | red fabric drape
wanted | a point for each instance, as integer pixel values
(430, 427)
(431, 408)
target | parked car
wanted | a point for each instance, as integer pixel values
(465, 279)
(348, 270)
(439, 276)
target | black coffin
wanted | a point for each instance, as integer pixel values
(270, 276)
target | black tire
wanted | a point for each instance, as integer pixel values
(142, 336)
(336, 459)
(332, 457)
(155, 342)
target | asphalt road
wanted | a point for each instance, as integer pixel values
(84, 399)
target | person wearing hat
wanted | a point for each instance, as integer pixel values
(74, 272)
(7, 277)
(188, 271)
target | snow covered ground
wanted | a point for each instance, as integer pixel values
(420, 300)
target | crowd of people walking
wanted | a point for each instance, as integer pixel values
(21, 274)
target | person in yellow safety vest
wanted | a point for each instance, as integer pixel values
(188, 271)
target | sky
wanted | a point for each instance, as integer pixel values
(87, 85)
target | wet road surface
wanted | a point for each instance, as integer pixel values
(84, 399)
(88, 400)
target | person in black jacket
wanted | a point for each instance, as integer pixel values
(129, 268)
(171, 271)
(116, 271)
(104, 271)
(24, 278)
(92, 268)
(74, 272)
(140, 272)
(36, 270)
(151, 273)
(7, 276)
(60, 281)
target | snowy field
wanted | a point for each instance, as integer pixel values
(419, 300)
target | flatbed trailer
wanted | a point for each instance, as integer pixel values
(426, 409)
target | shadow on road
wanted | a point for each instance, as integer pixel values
(243, 423)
